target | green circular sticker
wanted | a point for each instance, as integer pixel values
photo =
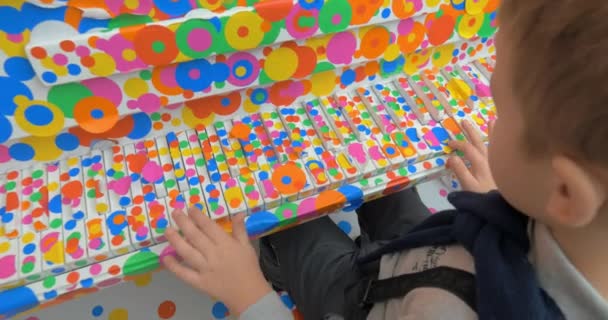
(49, 282)
(488, 27)
(335, 16)
(196, 38)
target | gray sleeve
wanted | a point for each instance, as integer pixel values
(269, 307)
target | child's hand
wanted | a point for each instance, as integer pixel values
(477, 178)
(222, 265)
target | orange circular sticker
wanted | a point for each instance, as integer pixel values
(96, 114)
(288, 178)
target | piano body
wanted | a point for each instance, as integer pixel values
(114, 113)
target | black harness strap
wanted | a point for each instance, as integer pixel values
(458, 282)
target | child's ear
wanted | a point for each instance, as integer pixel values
(576, 196)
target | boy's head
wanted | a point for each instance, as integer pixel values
(549, 148)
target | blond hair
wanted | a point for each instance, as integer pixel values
(560, 74)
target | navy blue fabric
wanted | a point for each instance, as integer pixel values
(496, 236)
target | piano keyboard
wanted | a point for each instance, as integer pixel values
(278, 166)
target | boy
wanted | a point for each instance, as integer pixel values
(528, 244)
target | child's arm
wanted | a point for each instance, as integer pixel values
(224, 266)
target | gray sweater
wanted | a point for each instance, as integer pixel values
(574, 295)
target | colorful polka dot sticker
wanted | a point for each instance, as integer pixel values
(220, 311)
(288, 178)
(118, 314)
(97, 311)
(166, 310)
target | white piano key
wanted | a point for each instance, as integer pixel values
(421, 135)
(378, 110)
(302, 133)
(465, 88)
(368, 129)
(296, 123)
(39, 198)
(118, 181)
(9, 259)
(427, 107)
(204, 144)
(297, 185)
(98, 243)
(158, 213)
(177, 203)
(417, 105)
(483, 69)
(13, 215)
(429, 77)
(137, 215)
(325, 144)
(51, 239)
(476, 80)
(481, 87)
(455, 102)
(278, 136)
(97, 200)
(9, 248)
(222, 131)
(390, 104)
(328, 135)
(238, 164)
(308, 181)
(178, 163)
(216, 203)
(26, 190)
(144, 223)
(272, 197)
(431, 108)
(195, 192)
(119, 238)
(256, 147)
(153, 169)
(357, 151)
(30, 256)
(73, 212)
(230, 186)
(166, 163)
(214, 154)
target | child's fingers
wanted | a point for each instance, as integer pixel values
(202, 241)
(214, 232)
(186, 274)
(491, 126)
(471, 153)
(239, 230)
(190, 255)
(474, 136)
(462, 173)
(193, 235)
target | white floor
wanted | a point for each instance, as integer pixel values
(161, 296)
